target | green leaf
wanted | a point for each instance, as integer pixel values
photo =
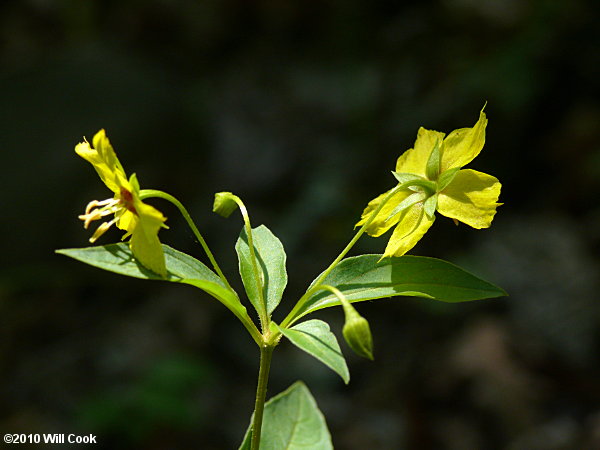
(366, 278)
(271, 265)
(315, 338)
(181, 268)
(292, 421)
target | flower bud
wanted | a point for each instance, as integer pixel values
(358, 335)
(224, 204)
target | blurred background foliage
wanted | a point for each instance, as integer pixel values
(301, 108)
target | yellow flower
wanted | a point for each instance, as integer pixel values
(140, 221)
(430, 178)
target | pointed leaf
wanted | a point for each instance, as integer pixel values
(366, 278)
(315, 338)
(292, 421)
(181, 268)
(271, 265)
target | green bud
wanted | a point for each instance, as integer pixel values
(224, 204)
(357, 334)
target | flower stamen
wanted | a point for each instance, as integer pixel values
(96, 210)
(103, 228)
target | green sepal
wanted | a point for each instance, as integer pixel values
(446, 178)
(134, 182)
(292, 421)
(415, 182)
(434, 163)
(404, 177)
(407, 203)
(430, 205)
(316, 339)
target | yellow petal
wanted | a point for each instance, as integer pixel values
(471, 198)
(462, 146)
(127, 221)
(88, 153)
(148, 251)
(106, 151)
(413, 224)
(415, 159)
(105, 161)
(144, 242)
(382, 221)
(150, 214)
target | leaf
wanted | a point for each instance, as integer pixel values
(315, 338)
(181, 268)
(271, 266)
(367, 277)
(292, 421)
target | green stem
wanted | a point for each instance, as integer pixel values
(266, 352)
(147, 193)
(340, 296)
(245, 319)
(316, 285)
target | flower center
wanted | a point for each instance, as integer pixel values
(127, 200)
(96, 210)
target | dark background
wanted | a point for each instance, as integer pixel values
(301, 108)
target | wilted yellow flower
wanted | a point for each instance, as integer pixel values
(431, 179)
(140, 221)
